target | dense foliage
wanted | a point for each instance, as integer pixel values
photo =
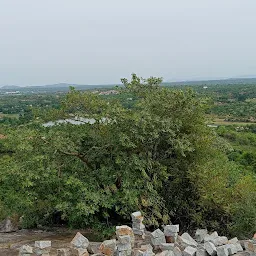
(155, 154)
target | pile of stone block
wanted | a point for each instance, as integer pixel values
(137, 224)
(168, 242)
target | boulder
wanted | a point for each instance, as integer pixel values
(165, 253)
(220, 240)
(79, 252)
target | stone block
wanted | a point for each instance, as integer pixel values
(222, 251)
(250, 246)
(166, 246)
(211, 237)
(124, 247)
(221, 240)
(124, 239)
(165, 253)
(63, 252)
(201, 252)
(43, 251)
(231, 249)
(123, 231)
(26, 249)
(171, 238)
(79, 252)
(157, 237)
(239, 247)
(138, 225)
(171, 229)
(189, 251)
(137, 217)
(108, 247)
(79, 241)
(200, 235)
(139, 232)
(43, 244)
(124, 253)
(210, 248)
(177, 251)
(186, 239)
(233, 240)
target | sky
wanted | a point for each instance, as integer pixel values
(101, 41)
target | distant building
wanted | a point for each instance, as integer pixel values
(109, 92)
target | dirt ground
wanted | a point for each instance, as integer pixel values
(11, 242)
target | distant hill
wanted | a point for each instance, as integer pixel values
(228, 81)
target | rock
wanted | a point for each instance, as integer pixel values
(139, 232)
(43, 244)
(233, 240)
(189, 251)
(211, 237)
(79, 241)
(124, 247)
(123, 230)
(8, 225)
(138, 225)
(44, 251)
(157, 237)
(221, 240)
(250, 246)
(186, 240)
(201, 252)
(210, 248)
(63, 252)
(169, 230)
(254, 237)
(137, 217)
(222, 251)
(148, 248)
(166, 246)
(124, 239)
(108, 247)
(172, 238)
(124, 253)
(200, 235)
(79, 252)
(177, 251)
(25, 249)
(165, 253)
(231, 249)
(145, 250)
(239, 247)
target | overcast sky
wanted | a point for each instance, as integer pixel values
(100, 41)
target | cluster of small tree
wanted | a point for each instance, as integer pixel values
(157, 156)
